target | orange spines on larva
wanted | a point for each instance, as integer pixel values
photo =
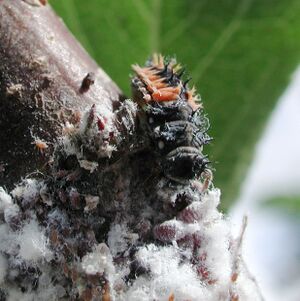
(166, 94)
(159, 81)
(176, 128)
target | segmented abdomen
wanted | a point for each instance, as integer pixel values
(172, 116)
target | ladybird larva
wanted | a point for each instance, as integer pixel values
(172, 116)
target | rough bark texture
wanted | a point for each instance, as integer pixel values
(42, 68)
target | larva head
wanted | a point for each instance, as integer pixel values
(159, 81)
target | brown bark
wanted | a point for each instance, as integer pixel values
(43, 85)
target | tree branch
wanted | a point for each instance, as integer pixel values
(41, 72)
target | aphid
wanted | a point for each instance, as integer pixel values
(165, 233)
(106, 292)
(169, 231)
(100, 124)
(88, 80)
(76, 117)
(40, 145)
(91, 116)
(172, 297)
(68, 129)
(191, 213)
(208, 177)
(173, 118)
(234, 297)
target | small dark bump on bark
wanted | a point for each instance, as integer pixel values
(87, 82)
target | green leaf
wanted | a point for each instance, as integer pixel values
(290, 204)
(240, 54)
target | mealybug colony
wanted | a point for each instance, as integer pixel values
(172, 115)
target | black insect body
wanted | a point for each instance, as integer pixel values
(184, 163)
(179, 133)
(160, 113)
(172, 117)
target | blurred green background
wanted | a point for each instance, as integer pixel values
(240, 54)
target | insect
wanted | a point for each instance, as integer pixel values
(172, 116)
(88, 80)
(40, 145)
